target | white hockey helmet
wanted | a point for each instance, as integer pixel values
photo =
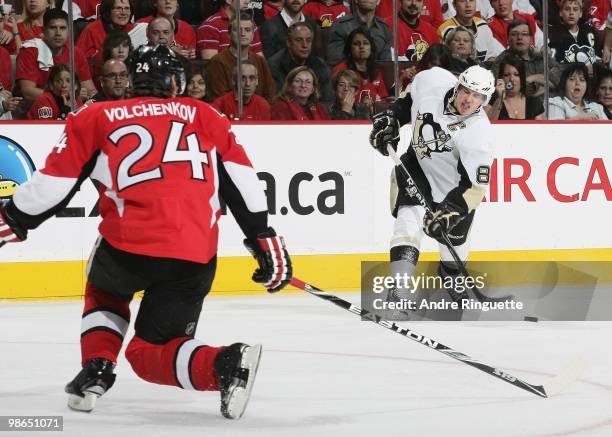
(479, 80)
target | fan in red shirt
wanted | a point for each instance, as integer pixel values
(213, 33)
(415, 35)
(299, 98)
(431, 13)
(254, 107)
(503, 17)
(160, 163)
(359, 51)
(29, 27)
(184, 34)
(37, 56)
(54, 103)
(325, 11)
(114, 14)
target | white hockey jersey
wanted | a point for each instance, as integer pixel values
(452, 150)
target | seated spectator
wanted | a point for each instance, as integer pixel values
(359, 54)
(213, 34)
(345, 84)
(604, 91)
(114, 80)
(325, 12)
(30, 26)
(509, 101)
(415, 35)
(254, 107)
(196, 84)
(362, 17)
(504, 14)
(54, 103)
(274, 31)
(37, 56)
(520, 45)
(184, 35)
(299, 53)
(114, 15)
(431, 12)
(573, 40)
(462, 46)
(6, 70)
(572, 103)
(8, 103)
(299, 97)
(222, 66)
(487, 46)
(160, 31)
(117, 45)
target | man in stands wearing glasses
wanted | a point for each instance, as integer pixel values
(113, 82)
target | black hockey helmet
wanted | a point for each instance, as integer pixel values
(153, 66)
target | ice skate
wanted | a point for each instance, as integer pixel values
(236, 368)
(92, 382)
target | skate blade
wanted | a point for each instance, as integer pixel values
(239, 397)
(85, 404)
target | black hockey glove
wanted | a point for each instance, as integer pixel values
(10, 231)
(443, 220)
(385, 130)
(274, 270)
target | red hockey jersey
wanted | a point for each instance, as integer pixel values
(156, 162)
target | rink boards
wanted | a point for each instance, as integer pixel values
(549, 198)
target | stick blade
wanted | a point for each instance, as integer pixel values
(570, 373)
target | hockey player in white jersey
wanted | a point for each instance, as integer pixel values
(449, 158)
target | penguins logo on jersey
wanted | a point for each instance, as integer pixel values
(428, 136)
(583, 54)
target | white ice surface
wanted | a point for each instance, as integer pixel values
(323, 373)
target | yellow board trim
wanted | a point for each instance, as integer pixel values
(60, 280)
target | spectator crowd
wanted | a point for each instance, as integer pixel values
(308, 60)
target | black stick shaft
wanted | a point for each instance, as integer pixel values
(426, 341)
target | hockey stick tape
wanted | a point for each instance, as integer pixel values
(393, 155)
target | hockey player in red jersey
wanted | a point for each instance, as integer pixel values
(161, 163)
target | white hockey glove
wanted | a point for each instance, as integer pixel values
(275, 270)
(10, 231)
(385, 130)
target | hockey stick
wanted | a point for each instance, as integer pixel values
(555, 385)
(413, 191)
